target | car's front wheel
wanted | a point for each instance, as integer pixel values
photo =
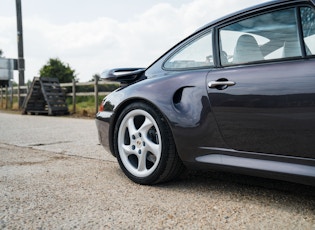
(144, 145)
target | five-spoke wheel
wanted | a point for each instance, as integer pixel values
(144, 145)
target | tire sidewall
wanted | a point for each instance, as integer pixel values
(165, 142)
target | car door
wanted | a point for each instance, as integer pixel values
(263, 97)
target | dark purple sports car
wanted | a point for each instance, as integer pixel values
(237, 95)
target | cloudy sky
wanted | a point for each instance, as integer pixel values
(95, 35)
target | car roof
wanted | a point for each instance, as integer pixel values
(231, 16)
(253, 8)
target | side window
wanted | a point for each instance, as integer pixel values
(308, 25)
(268, 36)
(197, 54)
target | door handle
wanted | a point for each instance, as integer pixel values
(220, 84)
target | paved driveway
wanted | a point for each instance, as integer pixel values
(65, 135)
(54, 175)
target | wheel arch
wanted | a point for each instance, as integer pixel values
(119, 110)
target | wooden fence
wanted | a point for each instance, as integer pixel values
(8, 93)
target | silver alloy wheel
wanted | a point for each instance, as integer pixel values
(139, 143)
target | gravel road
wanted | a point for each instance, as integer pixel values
(55, 175)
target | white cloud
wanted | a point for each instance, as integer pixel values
(7, 27)
(91, 46)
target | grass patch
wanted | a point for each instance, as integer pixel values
(85, 105)
(7, 104)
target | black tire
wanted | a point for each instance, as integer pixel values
(144, 145)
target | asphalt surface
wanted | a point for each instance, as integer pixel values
(55, 175)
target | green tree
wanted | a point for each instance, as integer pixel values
(1, 52)
(95, 76)
(57, 69)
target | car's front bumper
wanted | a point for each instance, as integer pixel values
(102, 126)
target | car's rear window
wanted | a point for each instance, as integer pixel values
(195, 54)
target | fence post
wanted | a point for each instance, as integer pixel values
(11, 96)
(19, 97)
(73, 97)
(6, 97)
(96, 93)
(1, 97)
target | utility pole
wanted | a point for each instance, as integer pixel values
(21, 63)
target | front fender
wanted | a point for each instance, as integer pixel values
(182, 100)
